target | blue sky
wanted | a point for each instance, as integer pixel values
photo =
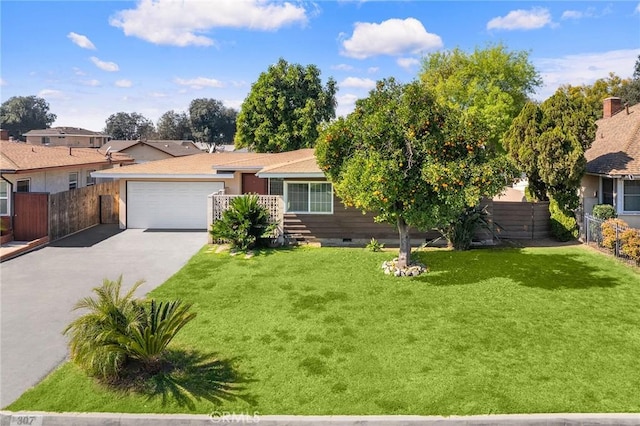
(90, 59)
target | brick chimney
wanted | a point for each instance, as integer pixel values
(611, 106)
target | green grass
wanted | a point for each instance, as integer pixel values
(323, 331)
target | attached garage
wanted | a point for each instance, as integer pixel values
(168, 205)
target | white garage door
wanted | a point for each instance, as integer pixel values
(169, 205)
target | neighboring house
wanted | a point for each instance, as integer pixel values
(29, 168)
(173, 193)
(613, 162)
(66, 136)
(143, 151)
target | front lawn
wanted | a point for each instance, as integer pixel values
(323, 331)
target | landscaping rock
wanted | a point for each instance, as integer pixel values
(412, 270)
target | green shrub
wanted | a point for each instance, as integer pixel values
(609, 236)
(244, 224)
(563, 223)
(119, 328)
(631, 244)
(604, 211)
(460, 232)
(374, 245)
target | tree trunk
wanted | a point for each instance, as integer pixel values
(404, 257)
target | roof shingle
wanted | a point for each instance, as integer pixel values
(18, 156)
(616, 149)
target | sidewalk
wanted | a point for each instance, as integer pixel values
(16, 248)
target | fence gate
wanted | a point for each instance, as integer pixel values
(31, 216)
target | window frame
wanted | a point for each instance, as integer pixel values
(309, 184)
(23, 180)
(90, 181)
(625, 195)
(73, 183)
(6, 197)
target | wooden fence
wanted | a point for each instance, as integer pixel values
(515, 220)
(78, 209)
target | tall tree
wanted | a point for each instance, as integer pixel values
(19, 114)
(410, 160)
(211, 121)
(548, 143)
(284, 109)
(174, 126)
(492, 83)
(129, 126)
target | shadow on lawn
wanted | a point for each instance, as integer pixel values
(548, 271)
(186, 377)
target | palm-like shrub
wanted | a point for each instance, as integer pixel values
(159, 325)
(94, 336)
(460, 232)
(244, 223)
(119, 328)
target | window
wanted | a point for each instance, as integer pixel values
(309, 197)
(23, 185)
(73, 180)
(45, 140)
(90, 180)
(607, 191)
(4, 198)
(631, 196)
(276, 187)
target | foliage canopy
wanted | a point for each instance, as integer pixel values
(129, 126)
(492, 83)
(409, 159)
(19, 114)
(284, 109)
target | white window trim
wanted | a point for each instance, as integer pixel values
(71, 181)
(6, 197)
(286, 196)
(23, 180)
(89, 180)
(620, 206)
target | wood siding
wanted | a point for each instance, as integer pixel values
(521, 220)
(30, 216)
(78, 209)
(346, 223)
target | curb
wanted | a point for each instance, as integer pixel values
(8, 418)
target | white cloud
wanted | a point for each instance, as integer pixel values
(78, 71)
(583, 69)
(123, 83)
(105, 66)
(521, 20)
(373, 70)
(233, 103)
(572, 14)
(51, 94)
(408, 62)
(80, 40)
(158, 95)
(392, 37)
(3, 82)
(184, 23)
(637, 9)
(346, 104)
(360, 83)
(199, 82)
(92, 83)
(342, 67)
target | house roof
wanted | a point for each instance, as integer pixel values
(616, 149)
(300, 163)
(63, 131)
(175, 148)
(18, 156)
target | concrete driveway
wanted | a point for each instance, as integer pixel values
(40, 288)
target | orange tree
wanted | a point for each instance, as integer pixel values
(410, 160)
